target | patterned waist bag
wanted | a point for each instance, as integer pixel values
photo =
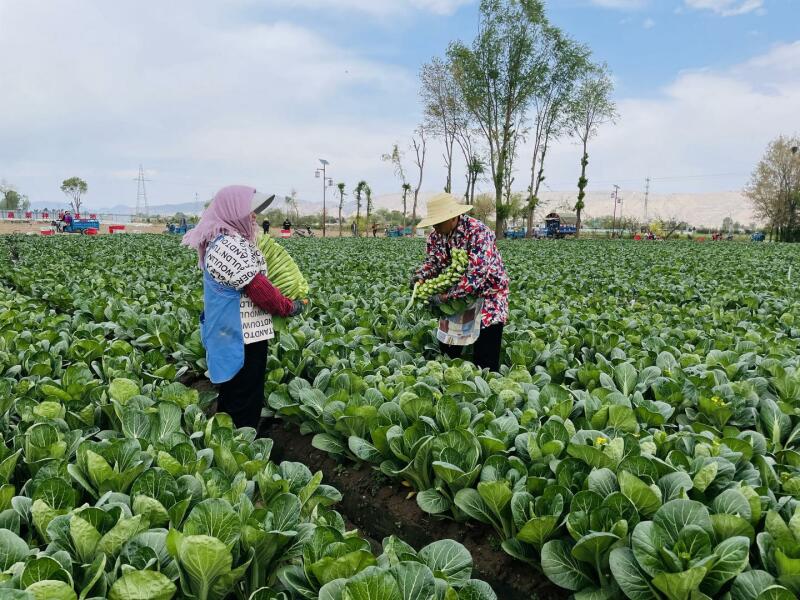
(462, 329)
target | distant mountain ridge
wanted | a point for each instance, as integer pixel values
(189, 208)
(708, 209)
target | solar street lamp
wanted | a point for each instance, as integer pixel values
(326, 183)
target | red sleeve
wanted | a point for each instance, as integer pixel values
(267, 297)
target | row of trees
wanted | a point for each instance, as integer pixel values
(521, 81)
(383, 217)
(362, 194)
(774, 189)
(484, 207)
(11, 199)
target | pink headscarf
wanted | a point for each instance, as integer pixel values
(228, 213)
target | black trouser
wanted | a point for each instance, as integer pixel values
(243, 396)
(486, 349)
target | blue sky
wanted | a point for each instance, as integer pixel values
(206, 93)
(645, 42)
(647, 46)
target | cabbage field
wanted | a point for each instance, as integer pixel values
(641, 441)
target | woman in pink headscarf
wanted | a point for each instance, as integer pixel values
(239, 300)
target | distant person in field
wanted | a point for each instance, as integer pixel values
(239, 300)
(486, 276)
(265, 226)
(374, 230)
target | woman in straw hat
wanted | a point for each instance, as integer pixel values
(486, 276)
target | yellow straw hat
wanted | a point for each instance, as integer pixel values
(441, 208)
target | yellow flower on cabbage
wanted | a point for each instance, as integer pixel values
(717, 401)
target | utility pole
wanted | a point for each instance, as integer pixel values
(326, 183)
(141, 194)
(646, 198)
(614, 221)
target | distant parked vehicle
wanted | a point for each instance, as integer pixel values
(179, 229)
(515, 234)
(400, 232)
(560, 226)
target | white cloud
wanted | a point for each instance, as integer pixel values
(783, 61)
(191, 93)
(649, 23)
(378, 8)
(726, 8)
(442, 7)
(203, 98)
(620, 4)
(704, 132)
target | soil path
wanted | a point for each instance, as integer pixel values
(380, 507)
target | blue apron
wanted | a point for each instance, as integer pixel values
(221, 330)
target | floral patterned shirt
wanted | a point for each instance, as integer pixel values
(486, 275)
